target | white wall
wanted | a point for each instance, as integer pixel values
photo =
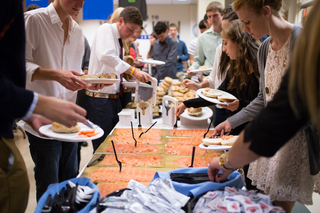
(186, 14)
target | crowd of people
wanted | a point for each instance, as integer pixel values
(269, 64)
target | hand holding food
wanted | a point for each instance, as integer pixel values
(180, 109)
(70, 80)
(222, 128)
(191, 84)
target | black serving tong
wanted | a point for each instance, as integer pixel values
(135, 141)
(100, 158)
(192, 158)
(176, 124)
(115, 154)
(205, 134)
(139, 125)
(147, 129)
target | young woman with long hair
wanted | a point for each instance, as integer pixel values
(285, 177)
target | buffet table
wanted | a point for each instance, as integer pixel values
(162, 149)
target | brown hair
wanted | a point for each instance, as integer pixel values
(224, 60)
(214, 6)
(151, 47)
(247, 53)
(304, 82)
(256, 5)
(132, 15)
(173, 25)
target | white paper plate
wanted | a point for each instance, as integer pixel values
(204, 70)
(148, 61)
(100, 81)
(70, 137)
(28, 129)
(215, 147)
(215, 100)
(132, 84)
(206, 113)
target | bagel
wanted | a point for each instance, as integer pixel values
(203, 67)
(176, 83)
(211, 141)
(108, 76)
(130, 60)
(168, 80)
(225, 99)
(56, 127)
(88, 77)
(184, 90)
(175, 88)
(194, 111)
(211, 93)
(166, 84)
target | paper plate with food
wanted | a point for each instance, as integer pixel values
(201, 69)
(103, 78)
(200, 113)
(216, 96)
(218, 144)
(77, 133)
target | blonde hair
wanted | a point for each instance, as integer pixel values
(214, 6)
(247, 54)
(304, 81)
(257, 5)
(115, 15)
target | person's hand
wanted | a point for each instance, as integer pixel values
(61, 111)
(232, 106)
(141, 76)
(223, 128)
(180, 109)
(191, 84)
(138, 63)
(36, 121)
(213, 171)
(69, 79)
(190, 73)
(177, 57)
(145, 66)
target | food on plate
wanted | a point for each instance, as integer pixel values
(195, 111)
(130, 148)
(176, 83)
(229, 140)
(161, 93)
(59, 128)
(88, 77)
(130, 60)
(203, 67)
(87, 133)
(108, 76)
(168, 79)
(226, 99)
(184, 150)
(112, 174)
(193, 141)
(198, 161)
(189, 132)
(160, 89)
(132, 160)
(211, 141)
(211, 93)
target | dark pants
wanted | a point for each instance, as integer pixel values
(220, 115)
(125, 98)
(103, 112)
(55, 161)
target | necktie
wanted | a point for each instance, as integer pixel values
(121, 57)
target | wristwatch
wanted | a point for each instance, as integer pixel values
(222, 162)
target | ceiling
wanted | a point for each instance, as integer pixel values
(166, 1)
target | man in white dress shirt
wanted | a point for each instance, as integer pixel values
(104, 105)
(54, 50)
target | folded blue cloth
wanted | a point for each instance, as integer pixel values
(234, 180)
(56, 187)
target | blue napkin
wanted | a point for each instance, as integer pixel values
(56, 187)
(234, 180)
